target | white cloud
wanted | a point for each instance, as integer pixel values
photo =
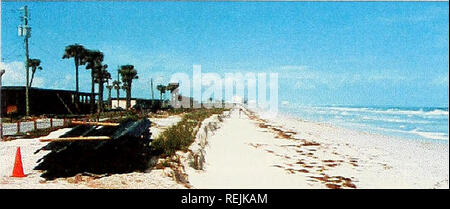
(68, 82)
(15, 75)
(39, 82)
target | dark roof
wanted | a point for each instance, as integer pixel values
(22, 88)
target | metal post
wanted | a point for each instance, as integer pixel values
(151, 84)
(18, 127)
(26, 34)
(1, 106)
(118, 88)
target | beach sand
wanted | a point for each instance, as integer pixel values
(290, 153)
(33, 179)
(248, 151)
(151, 179)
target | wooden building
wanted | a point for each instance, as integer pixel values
(43, 101)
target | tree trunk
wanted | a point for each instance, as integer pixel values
(100, 97)
(109, 99)
(77, 94)
(76, 81)
(92, 92)
(118, 98)
(32, 76)
(129, 96)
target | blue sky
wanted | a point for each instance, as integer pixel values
(341, 53)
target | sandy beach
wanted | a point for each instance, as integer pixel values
(247, 151)
(291, 153)
(151, 179)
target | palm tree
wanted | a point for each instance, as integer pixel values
(128, 73)
(101, 76)
(34, 64)
(162, 90)
(124, 87)
(172, 86)
(109, 87)
(93, 61)
(116, 85)
(77, 52)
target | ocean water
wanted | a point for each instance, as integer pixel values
(422, 123)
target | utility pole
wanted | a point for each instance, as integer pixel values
(118, 86)
(25, 31)
(151, 83)
(1, 123)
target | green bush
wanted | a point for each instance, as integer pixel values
(181, 135)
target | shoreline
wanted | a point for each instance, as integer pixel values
(371, 135)
(432, 153)
(284, 115)
(316, 155)
(414, 134)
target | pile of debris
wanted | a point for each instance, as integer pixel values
(98, 148)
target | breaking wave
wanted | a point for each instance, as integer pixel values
(410, 122)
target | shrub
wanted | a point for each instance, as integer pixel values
(181, 135)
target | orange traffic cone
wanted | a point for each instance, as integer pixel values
(18, 168)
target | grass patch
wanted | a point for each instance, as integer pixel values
(119, 117)
(181, 135)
